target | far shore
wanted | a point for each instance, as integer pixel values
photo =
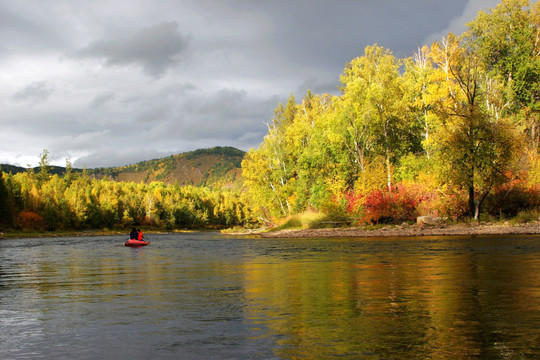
(471, 229)
(75, 233)
(405, 230)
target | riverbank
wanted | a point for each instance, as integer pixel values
(80, 233)
(405, 230)
(41, 234)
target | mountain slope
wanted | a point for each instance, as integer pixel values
(218, 166)
(214, 167)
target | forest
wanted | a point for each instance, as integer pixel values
(452, 132)
(44, 202)
(52, 198)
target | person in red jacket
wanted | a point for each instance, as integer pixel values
(141, 236)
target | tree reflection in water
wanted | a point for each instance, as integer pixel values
(423, 300)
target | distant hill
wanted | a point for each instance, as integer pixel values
(17, 169)
(214, 167)
(218, 166)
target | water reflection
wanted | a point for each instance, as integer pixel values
(426, 300)
(203, 296)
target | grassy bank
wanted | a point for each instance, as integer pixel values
(123, 233)
(313, 221)
(12, 234)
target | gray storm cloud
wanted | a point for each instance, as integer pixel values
(109, 86)
(155, 49)
(35, 92)
(101, 100)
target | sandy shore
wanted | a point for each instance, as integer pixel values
(408, 231)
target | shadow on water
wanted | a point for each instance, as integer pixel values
(202, 295)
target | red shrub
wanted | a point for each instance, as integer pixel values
(380, 206)
(30, 220)
(512, 197)
(399, 204)
(354, 202)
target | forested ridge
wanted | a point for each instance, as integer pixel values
(213, 167)
(453, 131)
(154, 194)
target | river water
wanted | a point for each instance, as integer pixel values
(203, 295)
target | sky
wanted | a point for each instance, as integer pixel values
(114, 82)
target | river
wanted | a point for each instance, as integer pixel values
(204, 295)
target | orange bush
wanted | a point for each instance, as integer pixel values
(452, 205)
(402, 203)
(30, 220)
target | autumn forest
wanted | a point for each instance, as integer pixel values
(453, 132)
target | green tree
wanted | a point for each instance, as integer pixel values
(44, 167)
(316, 164)
(475, 146)
(6, 205)
(418, 71)
(69, 175)
(507, 39)
(376, 92)
(270, 171)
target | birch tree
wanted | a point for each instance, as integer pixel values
(373, 91)
(474, 147)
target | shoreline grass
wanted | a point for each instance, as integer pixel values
(13, 234)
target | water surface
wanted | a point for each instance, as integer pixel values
(202, 295)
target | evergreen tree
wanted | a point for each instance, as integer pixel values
(6, 206)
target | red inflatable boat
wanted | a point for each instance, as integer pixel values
(135, 243)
